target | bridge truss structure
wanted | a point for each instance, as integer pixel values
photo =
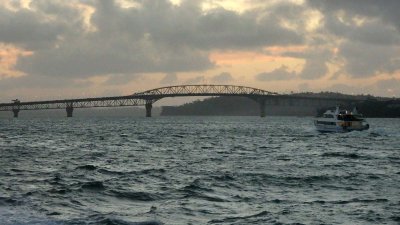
(205, 90)
(146, 98)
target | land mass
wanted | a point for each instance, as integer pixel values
(242, 106)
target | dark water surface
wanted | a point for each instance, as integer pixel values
(197, 170)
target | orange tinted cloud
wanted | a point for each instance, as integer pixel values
(242, 57)
(279, 50)
(8, 59)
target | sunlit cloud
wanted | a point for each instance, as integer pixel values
(281, 73)
(8, 58)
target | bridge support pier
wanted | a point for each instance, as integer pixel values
(15, 111)
(261, 102)
(149, 106)
(69, 109)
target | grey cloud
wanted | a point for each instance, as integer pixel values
(224, 77)
(313, 69)
(195, 80)
(337, 74)
(169, 78)
(316, 62)
(281, 73)
(188, 25)
(315, 66)
(39, 82)
(123, 44)
(225, 29)
(108, 56)
(27, 29)
(363, 60)
(43, 26)
(155, 37)
(368, 48)
(120, 79)
(111, 92)
(386, 10)
(372, 31)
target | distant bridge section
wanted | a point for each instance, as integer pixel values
(70, 104)
(147, 98)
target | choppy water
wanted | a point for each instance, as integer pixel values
(197, 170)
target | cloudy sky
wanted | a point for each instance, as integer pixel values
(52, 49)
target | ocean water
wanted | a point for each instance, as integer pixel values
(197, 170)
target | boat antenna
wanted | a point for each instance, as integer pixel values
(337, 109)
(354, 110)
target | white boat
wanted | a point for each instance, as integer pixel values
(341, 121)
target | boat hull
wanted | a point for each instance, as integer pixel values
(340, 128)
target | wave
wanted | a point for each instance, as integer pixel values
(341, 154)
(109, 220)
(60, 191)
(223, 177)
(354, 200)
(197, 190)
(136, 196)
(111, 172)
(350, 155)
(382, 132)
(152, 172)
(194, 186)
(293, 180)
(87, 167)
(114, 221)
(8, 201)
(238, 218)
(94, 185)
(207, 197)
(25, 216)
(93, 220)
(395, 218)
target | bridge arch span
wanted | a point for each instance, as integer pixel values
(204, 90)
(154, 95)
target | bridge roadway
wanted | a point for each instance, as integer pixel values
(147, 98)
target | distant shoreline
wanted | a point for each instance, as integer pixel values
(241, 106)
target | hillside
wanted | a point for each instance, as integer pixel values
(242, 106)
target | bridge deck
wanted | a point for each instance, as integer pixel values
(147, 98)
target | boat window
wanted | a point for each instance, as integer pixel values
(328, 116)
(349, 117)
(326, 123)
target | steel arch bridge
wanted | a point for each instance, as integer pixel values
(205, 90)
(146, 98)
